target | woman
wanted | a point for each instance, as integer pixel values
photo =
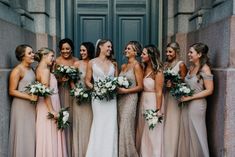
(66, 48)
(172, 111)
(127, 101)
(148, 141)
(82, 112)
(103, 136)
(22, 126)
(50, 142)
(193, 136)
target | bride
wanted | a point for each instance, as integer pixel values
(103, 136)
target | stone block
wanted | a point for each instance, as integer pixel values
(5, 102)
(232, 43)
(229, 114)
(184, 6)
(10, 36)
(8, 14)
(215, 113)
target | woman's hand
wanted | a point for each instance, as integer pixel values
(55, 114)
(64, 79)
(159, 113)
(185, 98)
(33, 98)
(121, 90)
(168, 84)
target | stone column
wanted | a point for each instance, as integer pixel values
(183, 10)
(69, 19)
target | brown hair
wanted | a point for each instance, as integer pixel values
(102, 42)
(154, 56)
(20, 51)
(175, 46)
(202, 49)
(136, 47)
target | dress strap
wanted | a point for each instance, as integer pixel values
(148, 74)
(177, 64)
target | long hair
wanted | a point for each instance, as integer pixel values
(102, 42)
(136, 47)
(90, 49)
(154, 56)
(202, 49)
(176, 47)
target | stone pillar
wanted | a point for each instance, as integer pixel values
(11, 35)
(183, 10)
(69, 19)
(40, 9)
(213, 23)
(54, 29)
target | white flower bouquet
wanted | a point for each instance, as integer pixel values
(122, 81)
(63, 118)
(172, 76)
(69, 72)
(105, 89)
(81, 93)
(180, 90)
(38, 89)
(152, 118)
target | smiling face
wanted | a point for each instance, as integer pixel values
(130, 51)
(83, 52)
(170, 54)
(66, 51)
(106, 48)
(193, 55)
(29, 55)
(49, 58)
(144, 56)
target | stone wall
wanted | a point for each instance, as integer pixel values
(211, 22)
(22, 23)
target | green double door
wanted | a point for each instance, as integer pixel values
(118, 20)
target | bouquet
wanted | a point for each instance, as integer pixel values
(172, 76)
(105, 89)
(180, 90)
(123, 82)
(152, 118)
(80, 93)
(69, 72)
(38, 89)
(63, 118)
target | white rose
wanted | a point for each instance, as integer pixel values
(108, 84)
(32, 90)
(65, 119)
(187, 90)
(103, 90)
(85, 95)
(96, 88)
(113, 87)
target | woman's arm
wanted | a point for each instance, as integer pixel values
(138, 71)
(159, 82)
(44, 76)
(13, 84)
(88, 77)
(208, 84)
(182, 70)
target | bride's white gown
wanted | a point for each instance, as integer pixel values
(103, 136)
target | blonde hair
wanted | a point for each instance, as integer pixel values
(42, 52)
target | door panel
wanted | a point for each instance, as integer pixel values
(118, 20)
